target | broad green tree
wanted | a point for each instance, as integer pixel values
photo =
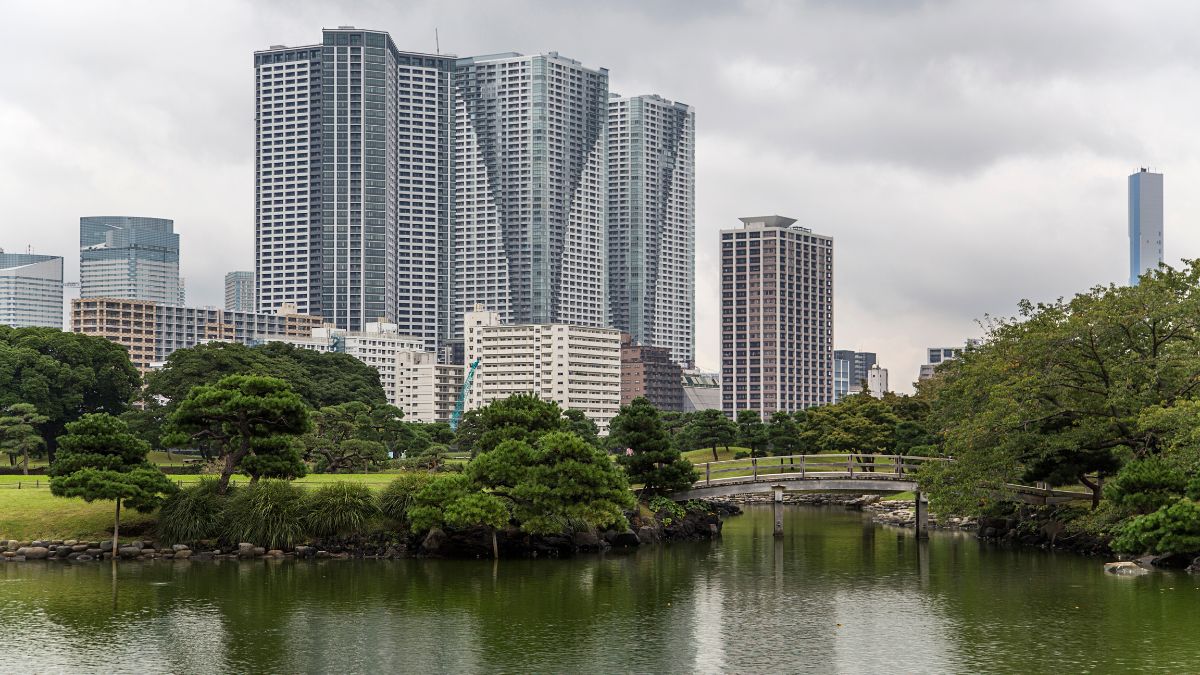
(251, 420)
(348, 436)
(1056, 393)
(64, 375)
(579, 424)
(19, 436)
(752, 433)
(645, 450)
(558, 483)
(99, 459)
(453, 500)
(320, 379)
(784, 434)
(711, 428)
(523, 417)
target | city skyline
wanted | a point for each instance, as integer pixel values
(914, 197)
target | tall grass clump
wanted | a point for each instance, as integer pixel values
(193, 513)
(269, 513)
(398, 495)
(340, 509)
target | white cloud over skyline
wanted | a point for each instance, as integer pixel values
(962, 155)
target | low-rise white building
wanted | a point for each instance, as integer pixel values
(877, 381)
(412, 378)
(575, 366)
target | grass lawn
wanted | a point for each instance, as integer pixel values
(37, 514)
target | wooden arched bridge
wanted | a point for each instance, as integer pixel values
(860, 473)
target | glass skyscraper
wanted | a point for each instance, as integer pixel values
(1145, 223)
(129, 257)
(31, 290)
(354, 183)
(652, 222)
(531, 177)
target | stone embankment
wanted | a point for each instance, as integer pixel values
(643, 530)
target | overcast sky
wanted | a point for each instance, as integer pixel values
(963, 155)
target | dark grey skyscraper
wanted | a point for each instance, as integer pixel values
(354, 193)
(129, 257)
(860, 364)
(652, 222)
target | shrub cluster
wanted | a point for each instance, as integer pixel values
(278, 513)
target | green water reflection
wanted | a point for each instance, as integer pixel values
(834, 595)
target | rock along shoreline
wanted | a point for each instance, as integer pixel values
(643, 530)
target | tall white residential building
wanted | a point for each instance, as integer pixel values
(129, 257)
(1145, 223)
(652, 222)
(31, 290)
(530, 175)
(776, 317)
(239, 291)
(877, 381)
(353, 183)
(575, 366)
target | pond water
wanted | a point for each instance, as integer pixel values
(835, 594)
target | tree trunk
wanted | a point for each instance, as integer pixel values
(116, 531)
(25, 463)
(715, 458)
(495, 546)
(1094, 487)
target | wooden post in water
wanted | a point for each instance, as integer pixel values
(778, 489)
(922, 503)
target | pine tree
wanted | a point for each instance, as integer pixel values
(99, 459)
(651, 459)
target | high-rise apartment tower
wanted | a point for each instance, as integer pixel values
(776, 317)
(239, 291)
(31, 290)
(353, 197)
(531, 189)
(652, 222)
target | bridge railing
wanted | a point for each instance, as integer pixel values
(848, 465)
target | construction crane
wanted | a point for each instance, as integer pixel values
(456, 416)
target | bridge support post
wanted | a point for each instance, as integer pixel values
(778, 489)
(922, 503)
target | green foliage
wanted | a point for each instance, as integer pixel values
(1145, 485)
(559, 480)
(655, 462)
(19, 435)
(99, 459)
(710, 428)
(579, 424)
(752, 433)
(192, 514)
(666, 508)
(250, 419)
(522, 417)
(1174, 528)
(340, 509)
(696, 506)
(430, 458)
(453, 500)
(741, 454)
(270, 513)
(65, 376)
(320, 379)
(859, 423)
(783, 433)
(400, 494)
(353, 436)
(1059, 391)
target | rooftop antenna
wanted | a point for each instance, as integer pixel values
(437, 43)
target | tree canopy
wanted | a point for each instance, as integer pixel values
(253, 420)
(645, 450)
(320, 379)
(19, 436)
(64, 376)
(99, 459)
